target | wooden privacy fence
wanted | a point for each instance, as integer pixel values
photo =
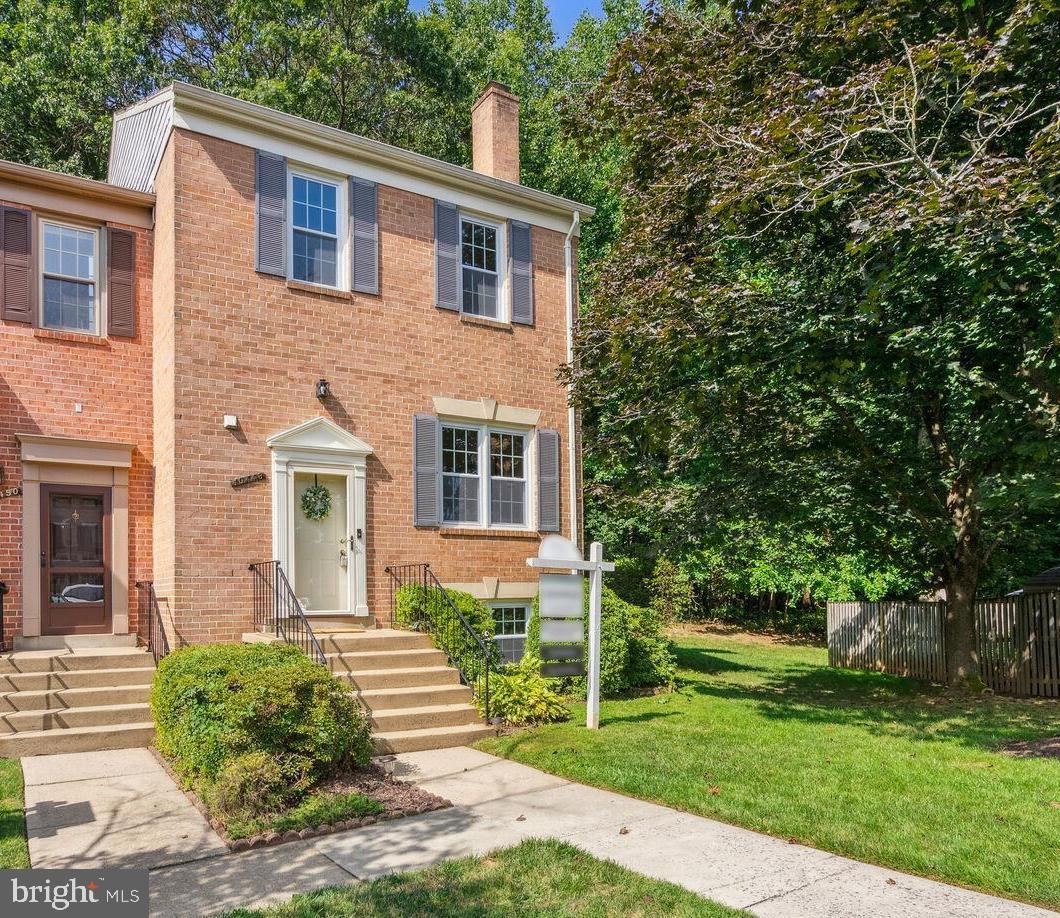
(1018, 641)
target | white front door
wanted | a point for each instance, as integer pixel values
(322, 562)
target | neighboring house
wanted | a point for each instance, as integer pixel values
(253, 306)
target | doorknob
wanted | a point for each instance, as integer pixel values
(360, 534)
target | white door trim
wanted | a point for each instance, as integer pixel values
(320, 445)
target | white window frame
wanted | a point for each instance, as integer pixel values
(527, 604)
(97, 278)
(503, 316)
(342, 269)
(484, 477)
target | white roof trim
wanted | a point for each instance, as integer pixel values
(216, 114)
(321, 435)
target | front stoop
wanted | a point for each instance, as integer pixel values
(415, 698)
(83, 699)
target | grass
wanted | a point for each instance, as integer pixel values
(317, 809)
(536, 877)
(14, 852)
(871, 766)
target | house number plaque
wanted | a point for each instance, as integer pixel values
(11, 492)
(246, 480)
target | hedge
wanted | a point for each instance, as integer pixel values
(413, 601)
(214, 704)
(634, 653)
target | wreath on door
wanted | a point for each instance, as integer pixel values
(316, 501)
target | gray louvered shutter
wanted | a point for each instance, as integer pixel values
(548, 481)
(364, 223)
(426, 431)
(17, 288)
(271, 195)
(121, 283)
(447, 255)
(522, 273)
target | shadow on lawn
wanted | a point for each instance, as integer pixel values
(878, 703)
(709, 660)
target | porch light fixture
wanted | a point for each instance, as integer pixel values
(323, 389)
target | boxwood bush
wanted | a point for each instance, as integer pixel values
(634, 652)
(414, 602)
(265, 713)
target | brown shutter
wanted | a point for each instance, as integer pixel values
(17, 287)
(121, 283)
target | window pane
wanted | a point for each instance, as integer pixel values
(315, 207)
(506, 455)
(460, 450)
(507, 502)
(510, 622)
(314, 259)
(70, 305)
(459, 499)
(69, 251)
(76, 522)
(80, 587)
(480, 293)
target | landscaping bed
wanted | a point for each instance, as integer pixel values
(270, 746)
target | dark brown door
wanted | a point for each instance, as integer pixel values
(75, 560)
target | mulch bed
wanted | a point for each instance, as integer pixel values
(397, 798)
(1048, 748)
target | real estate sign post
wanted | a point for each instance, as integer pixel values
(562, 610)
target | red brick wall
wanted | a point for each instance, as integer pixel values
(253, 345)
(42, 375)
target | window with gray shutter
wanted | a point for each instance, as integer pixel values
(364, 223)
(522, 273)
(447, 255)
(17, 287)
(425, 433)
(271, 195)
(548, 481)
(121, 283)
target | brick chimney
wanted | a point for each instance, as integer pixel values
(495, 133)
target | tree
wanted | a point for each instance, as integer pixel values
(834, 304)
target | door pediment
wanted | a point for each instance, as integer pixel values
(320, 435)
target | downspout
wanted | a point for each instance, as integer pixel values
(572, 448)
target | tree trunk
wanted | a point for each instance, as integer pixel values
(962, 658)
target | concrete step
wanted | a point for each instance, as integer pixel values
(430, 738)
(45, 661)
(58, 699)
(56, 642)
(386, 659)
(83, 678)
(77, 739)
(389, 699)
(401, 678)
(427, 716)
(377, 639)
(63, 718)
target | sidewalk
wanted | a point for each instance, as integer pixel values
(499, 803)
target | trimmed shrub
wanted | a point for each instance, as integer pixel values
(216, 703)
(634, 653)
(415, 602)
(520, 695)
(256, 782)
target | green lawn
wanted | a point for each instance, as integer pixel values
(871, 766)
(534, 878)
(13, 850)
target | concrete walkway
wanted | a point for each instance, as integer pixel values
(500, 803)
(110, 809)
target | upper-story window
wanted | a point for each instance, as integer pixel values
(70, 278)
(316, 226)
(466, 490)
(481, 260)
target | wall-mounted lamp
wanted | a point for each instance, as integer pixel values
(323, 389)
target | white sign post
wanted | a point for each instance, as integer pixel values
(562, 611)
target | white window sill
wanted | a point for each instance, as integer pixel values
(486, 321)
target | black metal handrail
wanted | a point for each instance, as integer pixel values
(149, 625)
(3, 593)
(453, 637)
(277, 609)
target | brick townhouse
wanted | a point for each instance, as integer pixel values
(265, 339)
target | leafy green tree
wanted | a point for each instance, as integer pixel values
(834, 303)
